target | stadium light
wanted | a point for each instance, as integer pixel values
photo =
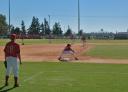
(49, 29)
(9, 14)
(49, 20)
(78, 16)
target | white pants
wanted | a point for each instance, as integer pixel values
(13, 64)
(67, 54)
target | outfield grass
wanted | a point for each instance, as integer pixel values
(110, 51)
(61, 41)
(39, 41)
(108, 42)
(115, 49)
(69, 77)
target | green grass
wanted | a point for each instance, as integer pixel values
(39, 41)
(69, 77)
(61, 41)
(109, 51)
(108, 42)
(116, 49)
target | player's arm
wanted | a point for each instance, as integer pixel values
(5, 62)
(5, 52)
(18, 54)
(4, 56)
(72, 50)
(74, 54)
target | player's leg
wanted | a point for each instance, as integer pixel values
(60, 57)
(83, 43)
(16, 82)
(8, 70)
(69, 55)
(74, 55)
(64, 56)
(16, 72)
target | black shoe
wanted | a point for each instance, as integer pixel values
(76, 58)
(6, 84)
(59, 58)
(16, 85)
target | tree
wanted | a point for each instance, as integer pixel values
(68, 32)
(12, 29)
(46, 27)
(102, 30)
(23, 30)
(3, 25)
(80, 33)
(15, 30)
(34, 28)
(42, 29)
(57, 30)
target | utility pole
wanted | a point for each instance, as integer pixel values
(78, 16)
(49, 29)
(49, 20)
(9, 16)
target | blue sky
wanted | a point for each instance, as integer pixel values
(111, 15)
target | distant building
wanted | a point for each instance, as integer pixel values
(121, 35)
(103, 35)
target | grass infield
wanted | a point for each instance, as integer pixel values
(69, 77)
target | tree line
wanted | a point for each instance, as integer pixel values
(35, 28)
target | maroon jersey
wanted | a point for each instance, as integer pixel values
(68, 49)
(12, 49)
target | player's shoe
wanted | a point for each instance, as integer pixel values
(16, 85)
(59, 58)
(76, 58)
(6, 84)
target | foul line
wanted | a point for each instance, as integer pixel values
(98, 72)
(39, 73)
(34, 76)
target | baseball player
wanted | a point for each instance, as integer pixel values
(12, 53)
(83, 39)
(67, 50)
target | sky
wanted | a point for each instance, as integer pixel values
(111, 15)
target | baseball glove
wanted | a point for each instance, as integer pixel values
(5, 64)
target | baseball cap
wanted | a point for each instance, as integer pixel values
(13, 36)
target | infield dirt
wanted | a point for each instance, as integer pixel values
(50, 52)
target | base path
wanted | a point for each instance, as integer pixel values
(50, 52)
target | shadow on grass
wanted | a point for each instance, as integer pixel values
(6, 90)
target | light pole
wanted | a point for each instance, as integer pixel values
(49, 20)
(50, 30)
(9, 15)
(78, 16)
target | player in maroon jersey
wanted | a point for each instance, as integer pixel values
(67, 50)
(12, 54)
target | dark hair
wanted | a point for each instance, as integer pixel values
(68, 45)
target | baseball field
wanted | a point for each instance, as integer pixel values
(102, 67)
